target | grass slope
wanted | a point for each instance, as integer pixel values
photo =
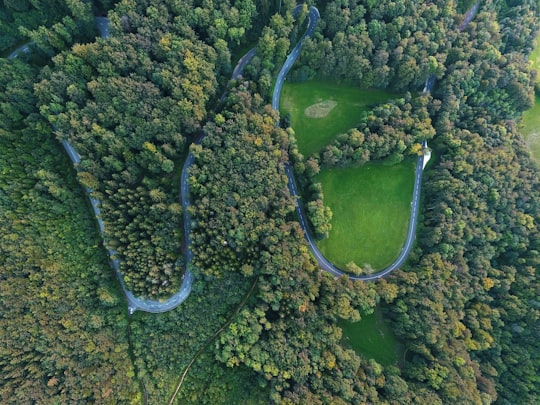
(531, 117)
(371, 206)
(313, 134)
(372, 337)
(531, 128)
(535, 56)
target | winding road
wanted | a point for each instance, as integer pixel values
(25, 48)
(134, 303)
(154, 306)
(137, 303)
(324, 263)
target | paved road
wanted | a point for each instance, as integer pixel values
(429, 84)
(244, 60)
(324, 263)
(134, 303)
(184, 179)
(313, 19)
(102, 25)
(25, 48)
(469, 15)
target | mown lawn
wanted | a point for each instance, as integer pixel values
(531, 129)
(535, 57)
(371, 206)
(372, 337)
(531, 117)
(313, 134)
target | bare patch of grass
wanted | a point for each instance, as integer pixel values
(320, 110)
(313, 134)
(531, 129)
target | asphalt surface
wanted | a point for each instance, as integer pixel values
(25, 48)
(184, 179)
(429, 84)
(244, 60)
(469, 15)
(154, 306)
(134, 303)
(324, 263)
(102, 25)
(313, 19)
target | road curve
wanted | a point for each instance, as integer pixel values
(137, 303)
(313, 19)
(324, 263)
(184, 178)
(134, 303)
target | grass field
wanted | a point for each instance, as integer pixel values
(373, 338)
(531, 117)
(347, 103)
(535, 57)
(371, 206)
(531, 129)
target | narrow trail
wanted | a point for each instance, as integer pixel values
(211, 339)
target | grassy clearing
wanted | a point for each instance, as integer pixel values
(348, 104)
(371, 206)
(534, 58)
(372, 337)
(531, 117)
(531, 129)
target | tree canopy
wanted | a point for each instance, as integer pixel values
(465, 306)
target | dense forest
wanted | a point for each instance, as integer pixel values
(63, 321)
(465, 307)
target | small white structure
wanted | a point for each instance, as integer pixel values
(427, 154)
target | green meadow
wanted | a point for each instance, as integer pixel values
(370, 203)
(321, 110)
(372, 337)
(531, 129)
(534, 58)
(371, 206)
(531, 117)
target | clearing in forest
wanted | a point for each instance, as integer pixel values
(371, 206)
(531, 129)
(372, 337)
(531, 117)
(321, 110)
